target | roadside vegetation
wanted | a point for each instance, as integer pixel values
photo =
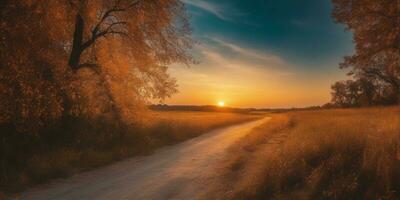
(75, 79)
(327, 154)
(82, 145)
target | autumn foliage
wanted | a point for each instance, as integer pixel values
(77, 74)
(114, 63)
(376, 28)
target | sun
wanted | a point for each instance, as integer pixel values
(221, 103)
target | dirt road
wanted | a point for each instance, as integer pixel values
(183, 171)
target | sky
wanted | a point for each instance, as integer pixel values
(262, 54)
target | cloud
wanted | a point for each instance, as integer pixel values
(212, 8)
(214, 58)
(251, 53)
(240, 82)
(220, 60)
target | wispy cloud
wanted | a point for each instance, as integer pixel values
(235, 80)
(220, 11)
(275, 66)
(251, 53)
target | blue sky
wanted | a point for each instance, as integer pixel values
(280, 53)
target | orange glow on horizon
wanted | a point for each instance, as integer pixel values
(248, 86)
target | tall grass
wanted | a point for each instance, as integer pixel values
(329, 154)
(81, 144)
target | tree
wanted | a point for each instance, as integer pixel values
(134, 23)
(367, 89)
(376, 28)
(353, 92)
(339, 94)
(87, 56)
(361, 92)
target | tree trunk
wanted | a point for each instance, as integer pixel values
(76, 50)
(67, 107)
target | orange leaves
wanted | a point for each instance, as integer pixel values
(126, 68)
(376, 28)
(33, 75)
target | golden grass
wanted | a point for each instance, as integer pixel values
(179, 125)
(196, 118)
(174, 126)
(328, 154)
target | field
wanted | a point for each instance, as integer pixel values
(29, 160)
(327, 154)
(172, 126)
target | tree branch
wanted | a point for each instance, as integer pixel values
(381, 75)
(109, 30)
(98, 30)
(96, 33)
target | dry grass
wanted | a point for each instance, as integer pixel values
(329, 154)
(62, 153)
(177, 125)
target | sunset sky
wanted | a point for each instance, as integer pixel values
(262, 53)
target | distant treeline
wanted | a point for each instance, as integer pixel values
(205, 108)
(210, 108)
(375, 65)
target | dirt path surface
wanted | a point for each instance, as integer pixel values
(184, 171)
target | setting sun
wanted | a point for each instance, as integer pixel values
(273, 99)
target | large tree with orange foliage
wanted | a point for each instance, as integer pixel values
(376, 28)
(159, 28)
(87, 56)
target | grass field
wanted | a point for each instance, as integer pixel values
(88, 145)
(172, 126)
(327, 154)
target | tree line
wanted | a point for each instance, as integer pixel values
(375, 65)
